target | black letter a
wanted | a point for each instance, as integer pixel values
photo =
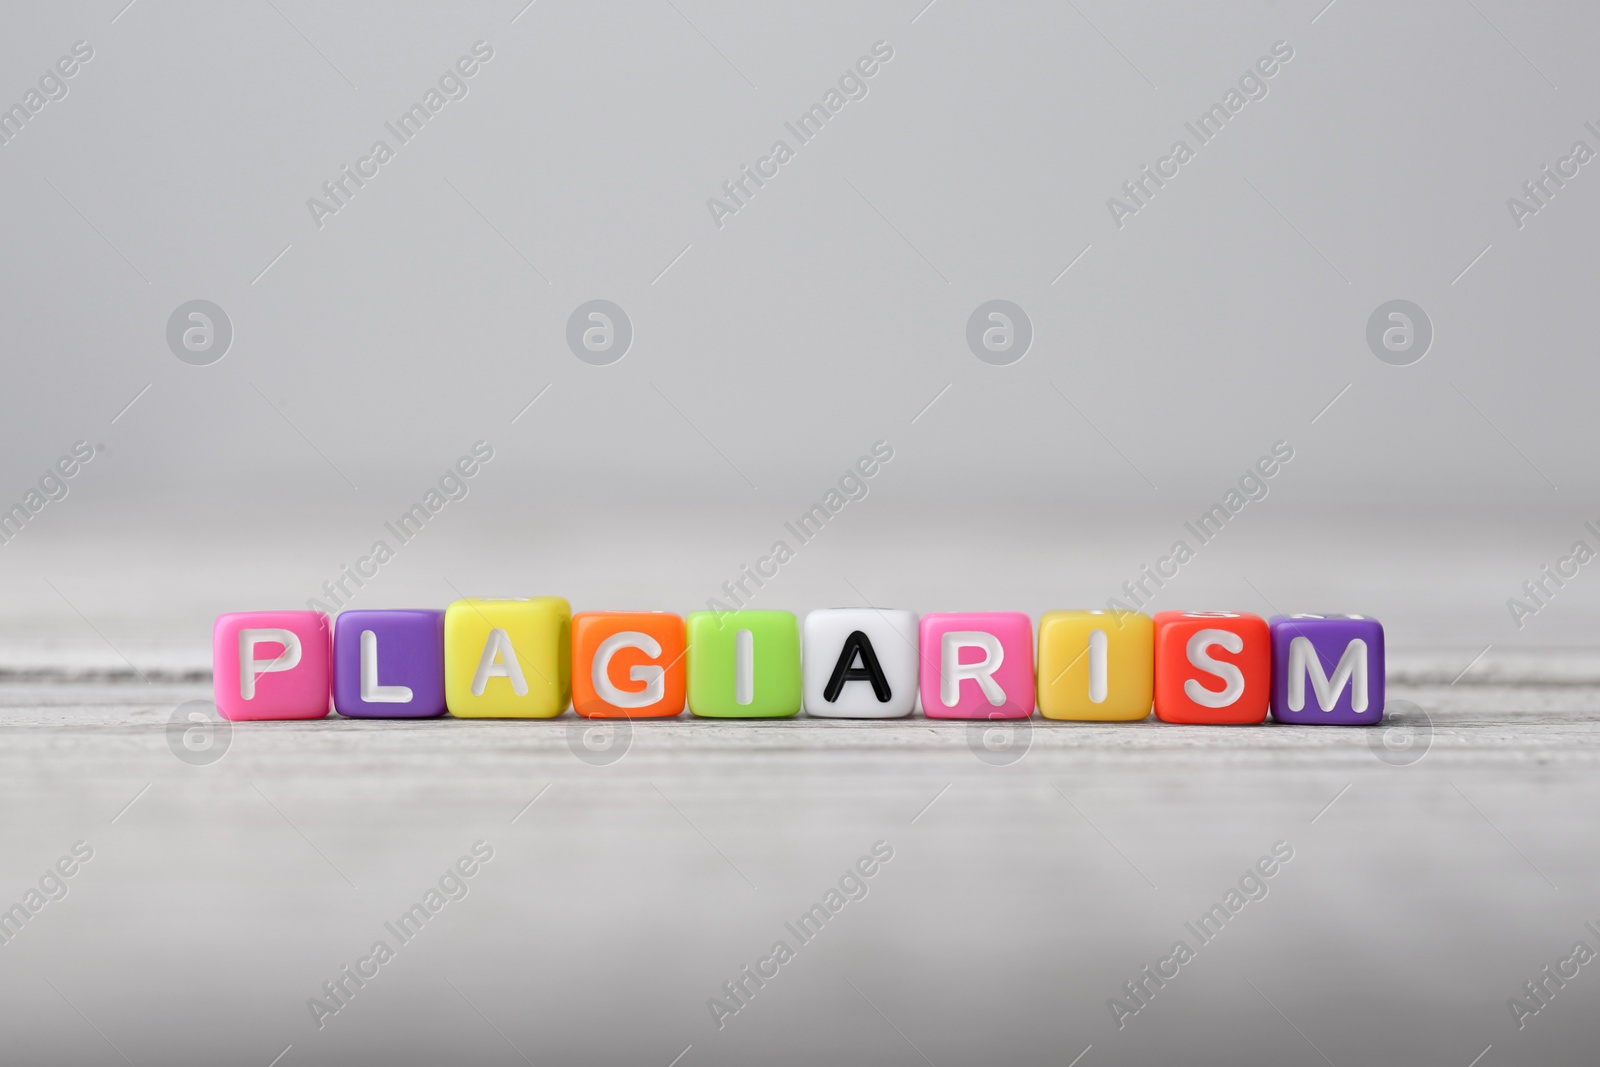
(857, 644)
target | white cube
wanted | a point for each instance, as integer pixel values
(860, 663)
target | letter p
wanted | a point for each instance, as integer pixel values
(248, 645)
(250, 667)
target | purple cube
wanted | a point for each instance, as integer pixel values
(388, 664)
(1327, 670)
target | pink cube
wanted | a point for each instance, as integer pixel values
(977, 665)
(271, 665)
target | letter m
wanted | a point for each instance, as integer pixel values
(1218, 916)
(11, 921)
(1218, 516)
(1219, 115)
(1304, 663)
(418, 516)
(418, 115)
(818, 116)
(17, 516)
(411, 921)
(817, 915)
(818, 516)
(17, 116)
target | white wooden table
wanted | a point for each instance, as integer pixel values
(1022, 894)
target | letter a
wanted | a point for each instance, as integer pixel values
(856, 645)
(499, 660)
(319, 210)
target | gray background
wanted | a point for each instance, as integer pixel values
(767, 356)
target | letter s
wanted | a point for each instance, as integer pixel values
(1199, 653)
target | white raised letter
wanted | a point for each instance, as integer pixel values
(1304, 663)
(499, 660)
(249, 666)
(371, 691)
(653, 676)
(1097, 666)
(952, 672)
(744, 667)
(1200, 656)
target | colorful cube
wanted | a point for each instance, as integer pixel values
(977, 665)
(628, 664)
(1096, 665)
(1212, 667)
(388, 664)
(271, 665)
(1327, 669)
(744, 664)
(508, 659)
(860, 663)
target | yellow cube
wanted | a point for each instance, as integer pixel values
(508, 659)
(1096, 666)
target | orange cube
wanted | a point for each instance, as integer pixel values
(628, 664)
(1212, 667)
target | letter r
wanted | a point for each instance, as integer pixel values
(952, 672)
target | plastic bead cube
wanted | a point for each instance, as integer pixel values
(977, 665)
(1327, 669)
(388, 664)
(628, 664)
(1096, 666)
(744, 664)
(1212, 667)
(508, 659)
(860, 663)
(271, 665)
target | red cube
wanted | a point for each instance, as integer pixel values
(1212, 667)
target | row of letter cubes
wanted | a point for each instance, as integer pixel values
(532, 658)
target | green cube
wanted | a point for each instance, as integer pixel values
(744, 664)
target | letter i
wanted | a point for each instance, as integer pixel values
(744, 667)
